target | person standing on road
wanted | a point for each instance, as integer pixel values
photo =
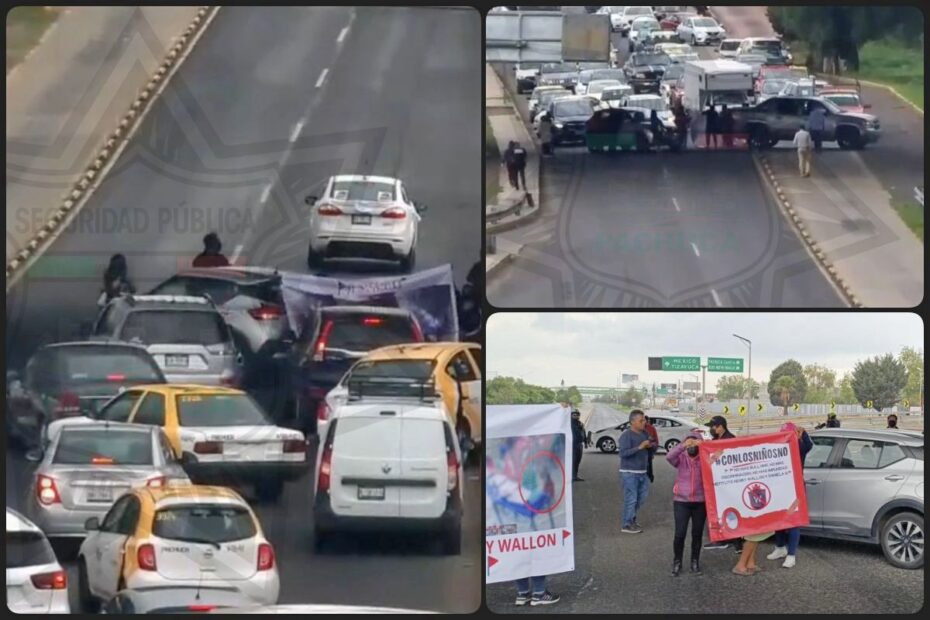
(654, 437)
(893, 422)
(688, 501)
(726, 125)
(116, 280)
(817, 122)
(509, 162)
(786, 541)
(802, 140)
(719, 430)
(832, 422)
(746, 566)
(545, 134)
(579, 443)
(532, 591)
(634, 446)
(212, 253)
(711, 128)
(655, 126)
(519, 158)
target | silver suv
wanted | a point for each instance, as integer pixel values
(186, 335)
(867, 485)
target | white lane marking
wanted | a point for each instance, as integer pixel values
(236, 253)
(675, 202)
(716, 298)
(296, 131)
(265, 193)
(342, 34)
(696, 253)
(319, 80)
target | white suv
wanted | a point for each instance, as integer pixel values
(35, 581)
(390, 466)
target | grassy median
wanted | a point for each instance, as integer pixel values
(492, 159)
(25, 25)
(913, 215)
(888, 62)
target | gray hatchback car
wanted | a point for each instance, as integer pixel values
(186, 335)
(868, 485)
(88, 465)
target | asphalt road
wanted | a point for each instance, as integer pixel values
(695, 229)
(270, 103)
(624, 573)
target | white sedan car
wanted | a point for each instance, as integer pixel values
(35, 581)
(363, 217)
(672, 431)
(701, 31)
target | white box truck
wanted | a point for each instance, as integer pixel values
(717, 81)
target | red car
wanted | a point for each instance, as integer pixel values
(671, 22)
(847, 99)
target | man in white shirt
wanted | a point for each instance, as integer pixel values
(802, 140)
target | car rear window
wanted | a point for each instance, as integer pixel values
(220, 291)
(362, 190)
(175, 327)
(204, 523)
(364, 332)
(218, 410)
(27, 549)
(729, 45)
(103, 447)
(403, 378)
(101, 364)
(573, 108)
(847, 100)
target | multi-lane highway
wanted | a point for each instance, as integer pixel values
(270, 103)
(693, 229)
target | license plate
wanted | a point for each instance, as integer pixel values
(361, 219)
(176, 361)
(374, 493)
(99, 494)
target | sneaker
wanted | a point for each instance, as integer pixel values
(631, 529)
(523, 598)
(715, 545)
(546, 598)
(789, 562)
(777, 554)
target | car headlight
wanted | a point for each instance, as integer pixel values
(640, 75)
(558, 125)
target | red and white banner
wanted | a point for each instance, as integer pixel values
(528, 492)
(753, 485)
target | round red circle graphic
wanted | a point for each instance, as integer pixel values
(557, 461)
(757, 495)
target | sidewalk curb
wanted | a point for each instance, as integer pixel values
(526, 218)
(491, 218)
(108, 153)
(499, 265)
(810, 244)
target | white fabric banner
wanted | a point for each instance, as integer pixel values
(528, 492)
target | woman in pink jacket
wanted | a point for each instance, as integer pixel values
(689, 500)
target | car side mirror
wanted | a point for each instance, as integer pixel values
(35, 455)
(311, 199)
(92, 524)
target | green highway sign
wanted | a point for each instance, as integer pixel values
(681, 363)
(724, 364)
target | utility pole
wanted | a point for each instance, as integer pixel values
(748, 383)
(704, 385)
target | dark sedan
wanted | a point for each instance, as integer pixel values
(644, 71)
(568, 119)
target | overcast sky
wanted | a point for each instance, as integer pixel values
(589, 348)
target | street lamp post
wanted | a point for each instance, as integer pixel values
(704, 386)
(748, 342)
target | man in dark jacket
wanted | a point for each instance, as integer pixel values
(509, 160)
(719, 430)
(634, 446)
(832, 422)
(579, 442)
(519, 162)
(211, 256)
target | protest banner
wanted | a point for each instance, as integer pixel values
(753, 485)
(528, 496)
(429, 295)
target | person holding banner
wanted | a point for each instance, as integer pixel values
(634, 447)
(719, 430)
(787, 541)
(688, 501)
(540, 595)
(579, 443)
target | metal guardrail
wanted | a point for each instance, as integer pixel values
(919, 195)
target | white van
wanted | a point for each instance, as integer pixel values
(389, 466)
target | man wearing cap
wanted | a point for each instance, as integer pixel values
(579, 442)
(719, 430)
(832, 421)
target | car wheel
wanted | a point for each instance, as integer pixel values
(452, 539)
(314, 259)
(849, 139)
(671, 443)
(269, 491)
(902, 540)
(606, 445)
(642, 144)
(759, 137)
(408, 262)
(88, 601)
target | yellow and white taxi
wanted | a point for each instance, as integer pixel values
(185, 535)
(220, 434)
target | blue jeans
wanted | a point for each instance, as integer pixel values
(635, 490)
(539, 585)
(792, 537)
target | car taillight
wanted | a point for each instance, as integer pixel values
(266, 312)
(157, 482)
(116, 377)
(394, 213)
(326, 465)
(201, 608)
(417, 332)
(293, 445)
(56, 580)
(322, 411)
(452, 466)
(329, 210)
(229, 381)
(208, 447)
(146, 557)
(319, 351)
(265, 556)
(68, 404)
(101, 460)
(47, 490)
(372, 321)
